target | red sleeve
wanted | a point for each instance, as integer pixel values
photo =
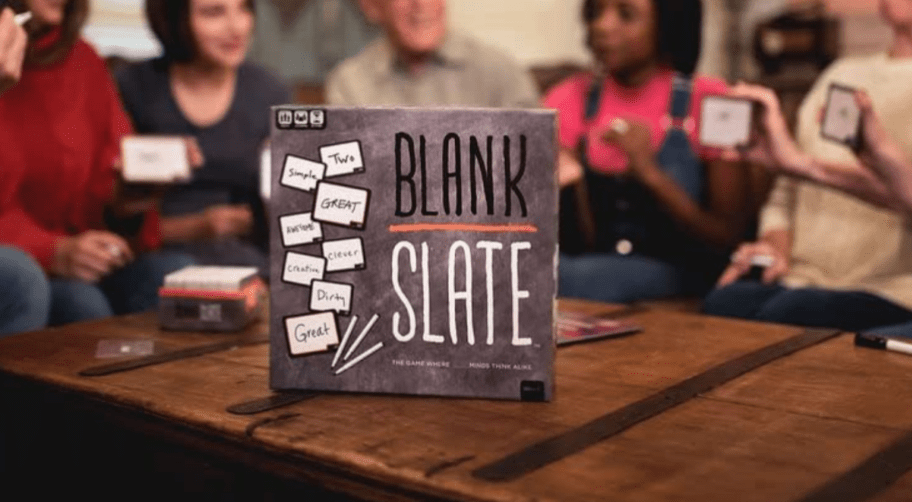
(568, 99)
(17, 228)
(703, 87)
(117, 125)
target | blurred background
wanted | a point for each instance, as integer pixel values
(782, 43)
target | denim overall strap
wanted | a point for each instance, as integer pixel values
(676, 155)
(593, 99)
(610, 195)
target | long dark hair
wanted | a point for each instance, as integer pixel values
(75, 13)
(170, 21)
(679, 31)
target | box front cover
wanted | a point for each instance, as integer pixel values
(413, 251)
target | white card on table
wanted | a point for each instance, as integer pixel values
(341, 205)
(154, 159)
(308, 334)
(841, 117)
(725, 122)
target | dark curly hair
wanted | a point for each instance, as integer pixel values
(679, 31)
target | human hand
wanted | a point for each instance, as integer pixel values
(195, 156)
(130, 198)
(228, 220)
(569, 169)
(772, 146)
(90, 255)
(750, 253)
(877, 150)
(13, 41)
(634, 139)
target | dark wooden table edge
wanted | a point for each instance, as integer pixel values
(259, 457)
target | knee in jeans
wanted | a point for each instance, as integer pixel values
(30, 289)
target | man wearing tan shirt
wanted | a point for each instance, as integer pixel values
(421, 62)
(837, 261)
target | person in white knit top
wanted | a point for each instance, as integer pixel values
(837, 261)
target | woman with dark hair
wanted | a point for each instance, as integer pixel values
(657, 212)
(60, 197)
(201, 87)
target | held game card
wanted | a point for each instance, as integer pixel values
(414, 251)
(155, 159)
(841, 116)
(726, 122)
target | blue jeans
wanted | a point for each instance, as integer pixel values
(845, 310)
(623, 279)
(133, 288)
(901, 330)
(25, 297)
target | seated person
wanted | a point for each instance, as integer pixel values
(25, 300)
(883, 178)
(665, 210)
(300, 41)
(422, 62)
(202, 88)
(837, 261)
(60, 200)
(13, 41)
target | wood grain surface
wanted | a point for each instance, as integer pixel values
(778, 433)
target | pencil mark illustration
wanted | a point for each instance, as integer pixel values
(360, 358)
(363, 334)
(348, 332)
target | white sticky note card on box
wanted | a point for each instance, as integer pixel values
(302, 269)
(331, 297)
(154, 159)
(842, 116)
(341, 205)
(301, 174)
(344, 254)
(725, 122)
(312, 333)
(300, 229)
(342, 158)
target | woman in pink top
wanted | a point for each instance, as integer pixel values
(665, 211)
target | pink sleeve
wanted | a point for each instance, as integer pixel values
(567, 98)
(705, 86)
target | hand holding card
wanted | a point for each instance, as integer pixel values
(842, 116)
(726, 122)
(157, 159)
(771, 144)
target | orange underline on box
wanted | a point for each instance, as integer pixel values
(207, 294)
(463, 227)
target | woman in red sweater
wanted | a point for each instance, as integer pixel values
(60, 196)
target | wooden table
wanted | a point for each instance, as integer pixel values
(780, 432)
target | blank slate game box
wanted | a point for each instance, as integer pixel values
(413, 251)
